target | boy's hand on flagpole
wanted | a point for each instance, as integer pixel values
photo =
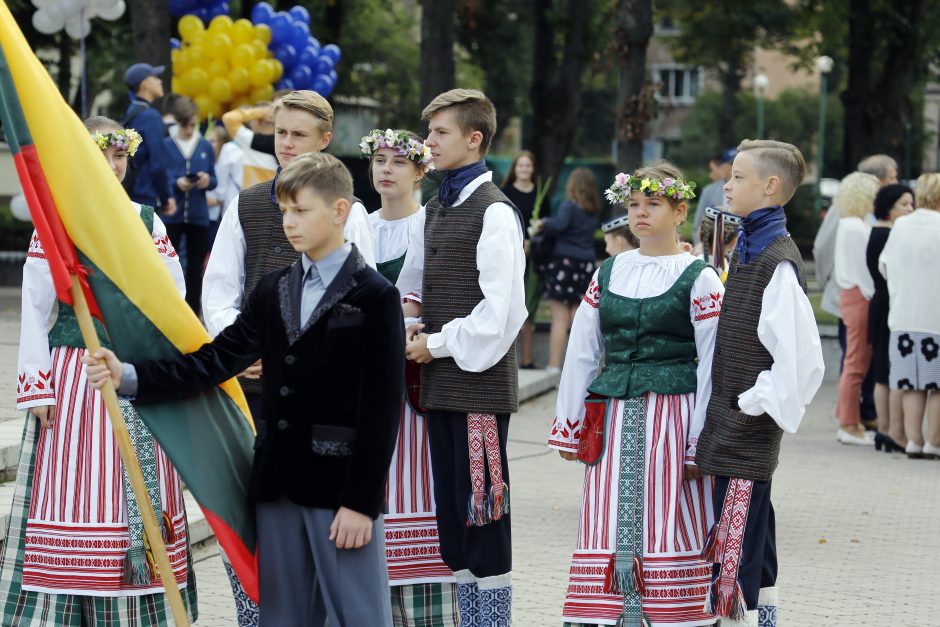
(253, 371)
(102, 366)
(45, 414)
(350, 529)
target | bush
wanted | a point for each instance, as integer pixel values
(14, 234)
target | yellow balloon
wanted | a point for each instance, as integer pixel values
(242, 32)
(190, 25)
(217, 69)
(218, 46)
(262, 94)
(197, 80)
(220, 90)
(176, 85)
(278, 70)
(204, 102)
(262, 72)
(243, 55)
(220, 24)
(183, 62)
(262, 32)
(198, 57)
(260, 48)
(240, 80)
(198, 39)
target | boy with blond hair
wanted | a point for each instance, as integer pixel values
(466, 271)
(330, 331)
(767, 367)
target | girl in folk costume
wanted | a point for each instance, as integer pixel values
(75, 552)
(423, 591)
(651, 313)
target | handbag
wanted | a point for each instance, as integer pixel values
(593, 439)
(541, 246)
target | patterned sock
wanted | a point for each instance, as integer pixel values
(496, 607)
(767, 607)
(468, 599)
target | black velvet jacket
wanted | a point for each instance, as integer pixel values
(332, 390)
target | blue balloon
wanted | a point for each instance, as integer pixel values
(285, 83)
(313, 41)
(262, 13)
(220, 8)
(332, 51)
(300, 14)
(286, 54)
(203, 14)
(308, 57)
(280, 28)
(324, 65)
(175, 43)
(323, 86)
(299, 35)
(301, 76)
(334, 76)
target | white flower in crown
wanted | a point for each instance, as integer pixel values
(403, 145)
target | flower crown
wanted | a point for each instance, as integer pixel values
(125, 138)
(625, 184)
(401, 143)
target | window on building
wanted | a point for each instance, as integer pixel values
(678, 84)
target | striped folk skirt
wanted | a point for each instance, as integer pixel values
(423, 591)
(677, 515)
(22, 608)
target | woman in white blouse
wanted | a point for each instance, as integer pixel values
(855, 200)
(910, 262)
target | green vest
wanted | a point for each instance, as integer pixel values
(649, 343)
(392, 268)
(65, 331)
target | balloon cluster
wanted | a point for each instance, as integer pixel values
(231, 63)
(306, 64)
(75, 16)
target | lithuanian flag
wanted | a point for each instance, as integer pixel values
(87, 228)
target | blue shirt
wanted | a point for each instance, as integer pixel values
(150, 186)
(319, 278)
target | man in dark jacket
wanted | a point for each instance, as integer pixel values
(149, 186)
(330, 332)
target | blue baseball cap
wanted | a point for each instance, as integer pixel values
(137, 73)
(728, 155)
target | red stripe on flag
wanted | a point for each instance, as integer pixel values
(244, 559)
(57, 246)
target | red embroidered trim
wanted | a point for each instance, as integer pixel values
(710, 314)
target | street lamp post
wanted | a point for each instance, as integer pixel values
(760, 86)
(824, 65)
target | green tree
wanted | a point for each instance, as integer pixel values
(721, 35)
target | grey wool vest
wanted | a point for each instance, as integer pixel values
(734, 444)
(266, 246)
(451, 289)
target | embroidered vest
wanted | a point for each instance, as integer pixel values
(649, 342)
(451, 289)
(65, 331)
(733, 444)
(266, 246)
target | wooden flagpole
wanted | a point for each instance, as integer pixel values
(129, 457)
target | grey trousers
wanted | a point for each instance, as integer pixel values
(307, 582)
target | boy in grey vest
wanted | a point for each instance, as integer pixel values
(767, 367)
(466, 283)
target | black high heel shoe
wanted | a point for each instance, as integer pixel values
(886, 442)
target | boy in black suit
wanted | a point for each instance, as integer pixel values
(329, 330)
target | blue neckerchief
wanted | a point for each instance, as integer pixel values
(758, 230)
(456, 180)
(273, 183)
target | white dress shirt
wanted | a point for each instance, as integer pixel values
(223, 285)
(910, 262)
(787, 329)
(478, 341)
(851, 268)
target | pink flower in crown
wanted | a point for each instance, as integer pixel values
(621, 179)
(668, 181)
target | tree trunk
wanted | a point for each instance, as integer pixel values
(730, 85)
(65, 65)
(857, 124)
(333, 21)
(556, 87)
(150, 27)
(632, 32)
(437, 48)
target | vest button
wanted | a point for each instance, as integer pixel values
(277, 249)
(442, 213)
(434, 250)
(285, 391)
(282, 424)
(290, 360)
(429, 288)
(716, 388)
